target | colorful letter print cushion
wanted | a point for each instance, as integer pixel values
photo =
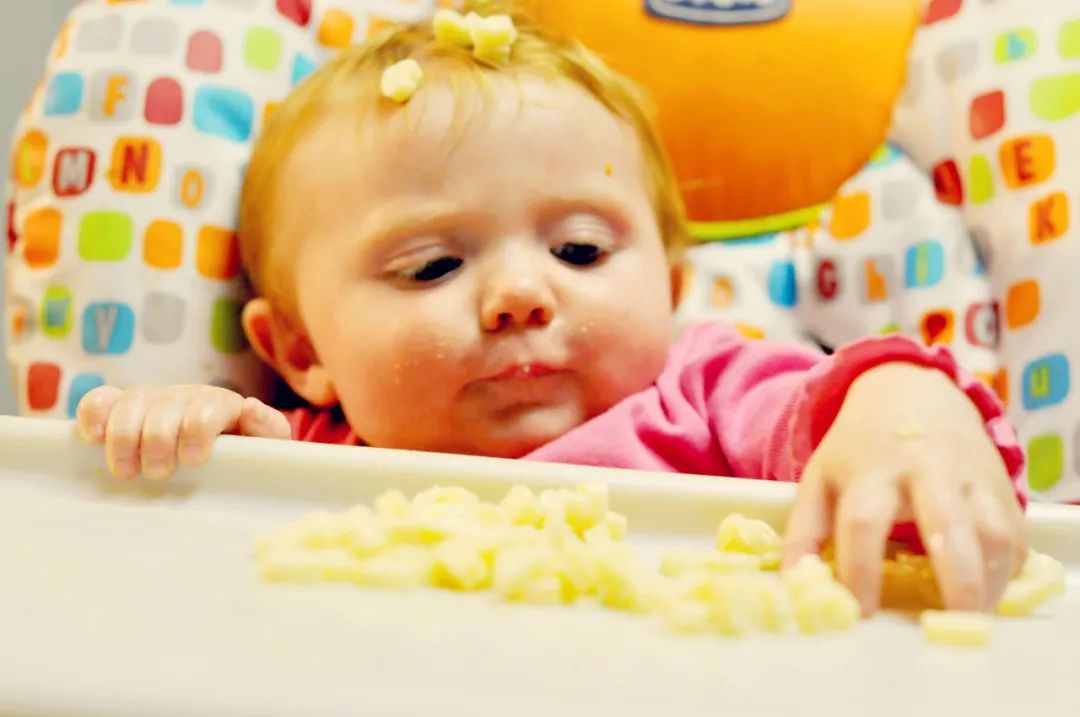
(992, 111)
(122, 261)
(885, 256)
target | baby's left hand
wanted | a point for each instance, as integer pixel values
(908, 444)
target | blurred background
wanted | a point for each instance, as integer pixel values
(27, 28)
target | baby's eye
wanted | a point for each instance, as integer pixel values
(579, 254)
(436, 269)
(582, 239)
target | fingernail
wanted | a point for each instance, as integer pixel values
(92, 433)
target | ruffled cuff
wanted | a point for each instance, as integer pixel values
(827, 384)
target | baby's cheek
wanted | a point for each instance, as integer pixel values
(621, 357)
(395, 391)
(419, 358)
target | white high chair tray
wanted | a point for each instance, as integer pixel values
(129, 599)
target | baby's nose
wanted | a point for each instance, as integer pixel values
(522, 303)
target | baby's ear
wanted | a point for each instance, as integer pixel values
(280, 344)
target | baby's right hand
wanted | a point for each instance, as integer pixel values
(149, 429)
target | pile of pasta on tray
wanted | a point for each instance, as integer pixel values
(565, 545)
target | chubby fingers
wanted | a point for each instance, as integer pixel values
(810, 525)
(92, 413)
(123, 431)
(949, 533)
(1002, 539)
(261, 421)
(865, 515)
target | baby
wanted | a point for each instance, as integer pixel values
(468, 245)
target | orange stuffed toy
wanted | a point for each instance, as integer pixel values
(766, 107)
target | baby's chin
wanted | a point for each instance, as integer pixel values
(520, 431)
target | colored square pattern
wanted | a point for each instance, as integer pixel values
(65, 94)
(1022, 304)
(1015, 45)
(224, 112)
(850, 215)
(80, 386)
(130, 159)
(1069, 40)
(57, 311)
(136, 165)
(108, 328)
(987, 116)
(164, 102)
(302, 67)
(262, 48)
(1056, 97)
(163, 245)
(298, 11)
(1046, 459)
(73, 171)
(924, 265)
(218, 253)
(1046, 382)
(980, 180)
(28, 159)
(1048, 218)
(41, 238)
(226, 331)
(336, 29)
(105, 236)
(163, 318)
(948, 184)
(1027, 160)
(205, 52)
(43, 386)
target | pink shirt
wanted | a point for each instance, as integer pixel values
(727, 405)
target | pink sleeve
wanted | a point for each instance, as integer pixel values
(725, 405)
(826, 386)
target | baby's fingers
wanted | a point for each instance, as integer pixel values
(1003, 541)
(92, 413)
(949, 534)
(810, 524)
(210, 413)
(161, 431)
(864, 518)
(260, 421)
(123, 431)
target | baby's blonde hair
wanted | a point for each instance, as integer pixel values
(353, 77)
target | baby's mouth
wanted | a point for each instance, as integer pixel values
(523, 371)
(719, 12)
(524, 384)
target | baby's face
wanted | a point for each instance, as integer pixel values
(479, 278)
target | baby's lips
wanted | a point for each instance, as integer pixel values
(523, 371)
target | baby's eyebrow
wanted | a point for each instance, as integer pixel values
(610, 205)
(394, 222)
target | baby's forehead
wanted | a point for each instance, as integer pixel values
(454, 108)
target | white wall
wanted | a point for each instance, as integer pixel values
(27, 28)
